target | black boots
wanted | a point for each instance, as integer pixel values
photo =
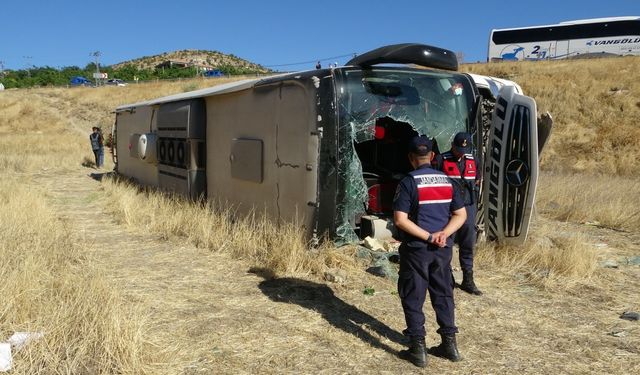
(417, 352)
(468, 285)
(447, 349)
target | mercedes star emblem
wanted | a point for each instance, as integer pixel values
(517, 173)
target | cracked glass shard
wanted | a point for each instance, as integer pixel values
(379, 111)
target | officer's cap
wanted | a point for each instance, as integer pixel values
(462, 141)
(420, 145)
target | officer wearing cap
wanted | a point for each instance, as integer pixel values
(426, 210)
(459, 164)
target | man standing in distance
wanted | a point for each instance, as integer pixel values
(97, 146)
(426, 210)
(459, 164)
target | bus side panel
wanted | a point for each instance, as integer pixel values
(260, 152)
(129, 123)
(241, 116)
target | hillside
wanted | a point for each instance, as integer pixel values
(183, 64)
(596, 107)
(213, 59)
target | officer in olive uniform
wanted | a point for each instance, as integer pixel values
(426, 210)
(460, 166)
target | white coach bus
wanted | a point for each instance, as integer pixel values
(616, 36)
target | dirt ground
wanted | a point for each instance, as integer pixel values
(214, 314)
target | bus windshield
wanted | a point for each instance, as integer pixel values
(435, 104)
(379, 111)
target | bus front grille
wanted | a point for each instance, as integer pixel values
(517, 170)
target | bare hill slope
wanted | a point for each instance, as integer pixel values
(596, 107)
(212, 59)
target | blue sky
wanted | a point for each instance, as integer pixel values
(62, 33)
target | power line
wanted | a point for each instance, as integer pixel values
(353, 54)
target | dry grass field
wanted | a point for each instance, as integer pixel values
(596, 108)
(122, 280)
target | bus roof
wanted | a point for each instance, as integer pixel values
(576, 22)
(219, 89)
(605, 19)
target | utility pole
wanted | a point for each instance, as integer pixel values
(96, 54)
(1, 68)
(28, 59)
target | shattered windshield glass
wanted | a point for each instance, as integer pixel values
(379, 111)
(435, 104)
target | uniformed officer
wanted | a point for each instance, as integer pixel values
(459, 164)
(427, 211)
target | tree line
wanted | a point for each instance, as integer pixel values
(50, 76)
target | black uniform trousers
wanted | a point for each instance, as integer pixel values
(465, 237)
(96, 154)
(422, 269)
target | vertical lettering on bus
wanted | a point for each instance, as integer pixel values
(494, 166)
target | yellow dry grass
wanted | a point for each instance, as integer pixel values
(530, 320)
(49, 127)
(50, 285)
(596, 109)
(549, 258)
(281, 248)
(35, 135)
(607, 201)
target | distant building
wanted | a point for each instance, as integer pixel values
(173, 63)
(201, 65)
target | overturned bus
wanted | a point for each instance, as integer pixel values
(326, 148)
